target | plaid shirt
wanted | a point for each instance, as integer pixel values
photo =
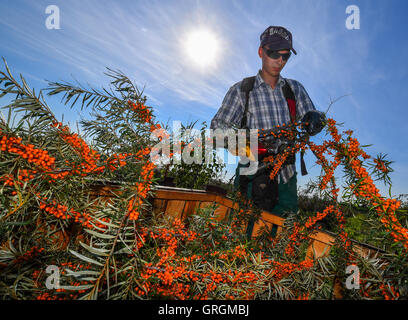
(267, 108)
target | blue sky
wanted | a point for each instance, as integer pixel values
(146, 40)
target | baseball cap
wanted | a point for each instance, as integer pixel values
(277, 38)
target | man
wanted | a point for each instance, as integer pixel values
(267, 108)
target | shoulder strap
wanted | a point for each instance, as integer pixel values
(291, 100)
(246, 86)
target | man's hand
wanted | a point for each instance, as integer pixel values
(247, 152)
(314, 121)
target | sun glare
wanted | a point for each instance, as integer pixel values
(202, 47)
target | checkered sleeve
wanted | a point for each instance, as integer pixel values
(231, 110)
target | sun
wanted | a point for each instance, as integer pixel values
(201, 47)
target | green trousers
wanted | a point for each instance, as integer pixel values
(287, 201)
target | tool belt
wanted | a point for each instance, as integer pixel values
(260, 189)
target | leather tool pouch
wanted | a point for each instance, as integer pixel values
(265, 192)
(261, 189)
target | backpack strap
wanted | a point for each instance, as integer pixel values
(291, 100)
(247, 85)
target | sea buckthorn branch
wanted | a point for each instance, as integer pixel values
(45, 168)
(143, 112)
(382, 168)
(25, 98)
(142, 189)
(46, 163)
(103, 272)
(365, 188)
(39, 158)
(43, 162)
(349, 151)
(136, 202)
(246, 211)
(64, 213)
(28, 255)
(329, 168)
(389, 292)
(89, 156)
(300, 141)
(282, 270)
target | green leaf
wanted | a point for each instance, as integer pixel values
(75, 288)
(100, 235)
(78, 274)
(84, 258)
(22, 223)
(99, 252)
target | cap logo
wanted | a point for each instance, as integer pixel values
(280, 32)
